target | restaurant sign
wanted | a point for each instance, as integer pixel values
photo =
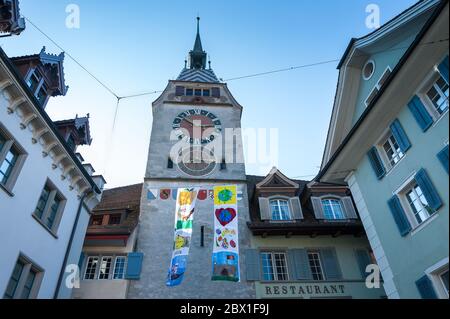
(303, 290)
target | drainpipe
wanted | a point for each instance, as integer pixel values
(69, 245)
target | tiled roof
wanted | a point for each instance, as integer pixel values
(198, 75)
(127, 197)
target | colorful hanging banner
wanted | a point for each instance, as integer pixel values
(225, 259)
(184, 217)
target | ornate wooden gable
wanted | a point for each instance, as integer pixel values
(43, 73)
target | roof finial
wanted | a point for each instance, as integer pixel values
(198, 24)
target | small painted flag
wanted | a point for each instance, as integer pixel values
(211, 193)
(151, 194)
(239, 195)
(174, 193)
(164, 194)
(202, 194)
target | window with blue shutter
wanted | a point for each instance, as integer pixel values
(426, 288)
(399, 216)
(376, 163)
(443, 158)
(299, 265)
(330, 264)
(427, 187)
(400, 136)
(363, 259)
(443, 68)
(134, 266)
(420, 113)
(252, 265)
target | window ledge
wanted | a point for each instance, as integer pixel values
(424, 224)
(441, 116)
(6, 190)
(282, 221)
(45, 226)
(396, 165)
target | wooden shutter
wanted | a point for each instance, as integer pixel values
(443, 68)
(426, 288)
(428, 189)
(252, 264)
(363, 259)
(134, 266)
(376, 163)
(179, 91)
(420, 113)
(330, 264)
(296, 208)
(264, 209)
(399, 216)
(299, 268)
(317, 207)
(349, 208)
(443, 158)
(400, 136)
(215, 92)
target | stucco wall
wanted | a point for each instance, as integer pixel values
(19, 231)
(409, 256)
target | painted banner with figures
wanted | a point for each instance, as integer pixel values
(225, 259)
(184, 217)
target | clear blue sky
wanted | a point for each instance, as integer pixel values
(138, 45)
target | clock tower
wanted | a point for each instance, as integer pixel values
(187, 149)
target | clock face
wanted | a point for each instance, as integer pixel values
(201, 126)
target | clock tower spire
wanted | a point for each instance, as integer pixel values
(197, 56)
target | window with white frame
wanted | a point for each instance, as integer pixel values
(391, 150)
(378, 86)
(444, 280)
(107, 267)
(12, 157)
(91, 268)
(279, 209)
(34, 81)
(24, 281)
(274, 266)
(50, 207)
(438, 95)
(332, 209)
(418, 207)
(37, 86)
(315, 265)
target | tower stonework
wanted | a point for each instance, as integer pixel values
(196, 95)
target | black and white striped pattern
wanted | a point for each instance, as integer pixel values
(198, 75)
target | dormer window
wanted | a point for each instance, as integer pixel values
(332, 209)
(279, 209)
(37, 87)
(42, 94)
(33, 81)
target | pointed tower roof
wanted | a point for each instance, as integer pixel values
(197, 71)
(198, 41)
